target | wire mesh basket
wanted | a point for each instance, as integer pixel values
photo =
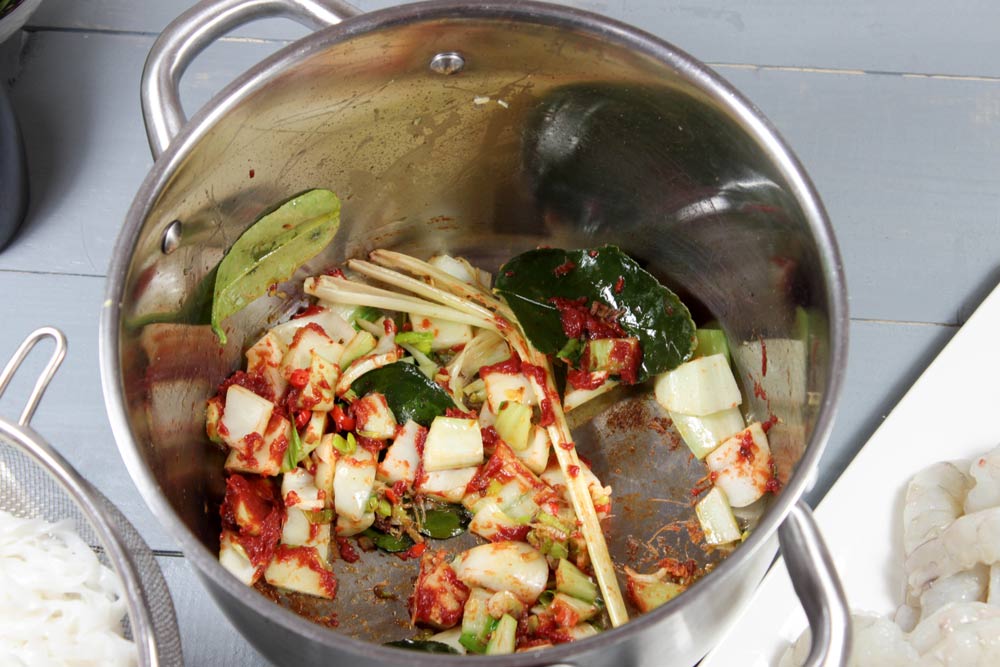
(36, 482)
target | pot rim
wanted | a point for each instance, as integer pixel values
(707, 81)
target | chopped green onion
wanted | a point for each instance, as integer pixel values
(345, 446)
(383, 508)
(294, 451)
(421, 340)
(570, 352)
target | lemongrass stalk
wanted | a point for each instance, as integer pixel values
(344, 291)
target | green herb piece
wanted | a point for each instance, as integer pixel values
(421, 340)
(388, 543)
(646, 309)
(383, 508)
(270, 251)
(445, 522)
(367, 313)
(320, 516)
(294, 451)
(570, 352)
(345, 446)
(409, 393)
(425, 645)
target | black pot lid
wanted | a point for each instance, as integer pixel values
(13, 172)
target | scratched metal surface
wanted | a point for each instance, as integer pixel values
(894, 107)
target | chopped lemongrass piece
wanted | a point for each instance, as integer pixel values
(698, 387)
(716, 518)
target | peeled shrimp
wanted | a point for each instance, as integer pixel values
(985, 471)
(965, 634)
(934, 499)
(968, 540)
(877, 642)
(968, 586)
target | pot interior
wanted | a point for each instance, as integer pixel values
(554, 133)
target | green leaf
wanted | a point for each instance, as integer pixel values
(271, 250)
(419, 339)
(387, 542)
(648, 310)
(425, 645)
(409, 393)
(294, 451)
(445, 522)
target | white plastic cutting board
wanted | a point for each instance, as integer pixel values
(952, 412)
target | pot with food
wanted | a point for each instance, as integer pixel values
(499, 330)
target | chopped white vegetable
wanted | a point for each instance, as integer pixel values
(298, 531)
(363, 365)
(314, 431)
(716, 518)
(268, 453)
(703, 434)
(451, 638)
(353, 480)
(741, 466)
(401, 459)
(299, 569)
(446, 334)
(298, 489)
(502, 387)
(489, 520)
(447, 485)
(505, 566)
(325, 458)
(452, 443)
(234, 558)
(307, 341)
(698, 387)
(536, 456)
(335, 326)
(245, 413)
(348, 527)
(374, 418)
(317, 394)
(514, 425)
(456, 268)
(264, 358)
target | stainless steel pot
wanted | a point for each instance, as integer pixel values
(482, 129)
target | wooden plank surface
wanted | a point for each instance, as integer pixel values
(923, 36)
(908, 166)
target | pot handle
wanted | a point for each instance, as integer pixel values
(195, 29)
(817, 586)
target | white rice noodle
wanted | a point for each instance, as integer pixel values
(58, 604)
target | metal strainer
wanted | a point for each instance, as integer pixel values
(36, 482)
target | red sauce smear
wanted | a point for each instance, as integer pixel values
(773, 484)
(548, 417)
(490, 437)
(347, 551)
(416, 551)
(308, 311)
(511, 533)
(583, 380)
(758, 391)
(748, 448)
(763, 357)
(341, 420)
(254, 382)
(510, 366)
(581, 321)
(771, 421)
(573, 470)
(619, 284)
(458, 414)
(564, 268)
(335, 273)
(625, 356)
(299, 378)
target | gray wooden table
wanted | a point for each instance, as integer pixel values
(893, 106)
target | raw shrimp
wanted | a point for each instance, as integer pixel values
(966, 633)
(934, 499)
(968, 540)
(878, 642)
(968, 586)
(985, 471)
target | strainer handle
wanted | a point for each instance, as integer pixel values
(58, 354)
(195, 29)
(817, 586)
